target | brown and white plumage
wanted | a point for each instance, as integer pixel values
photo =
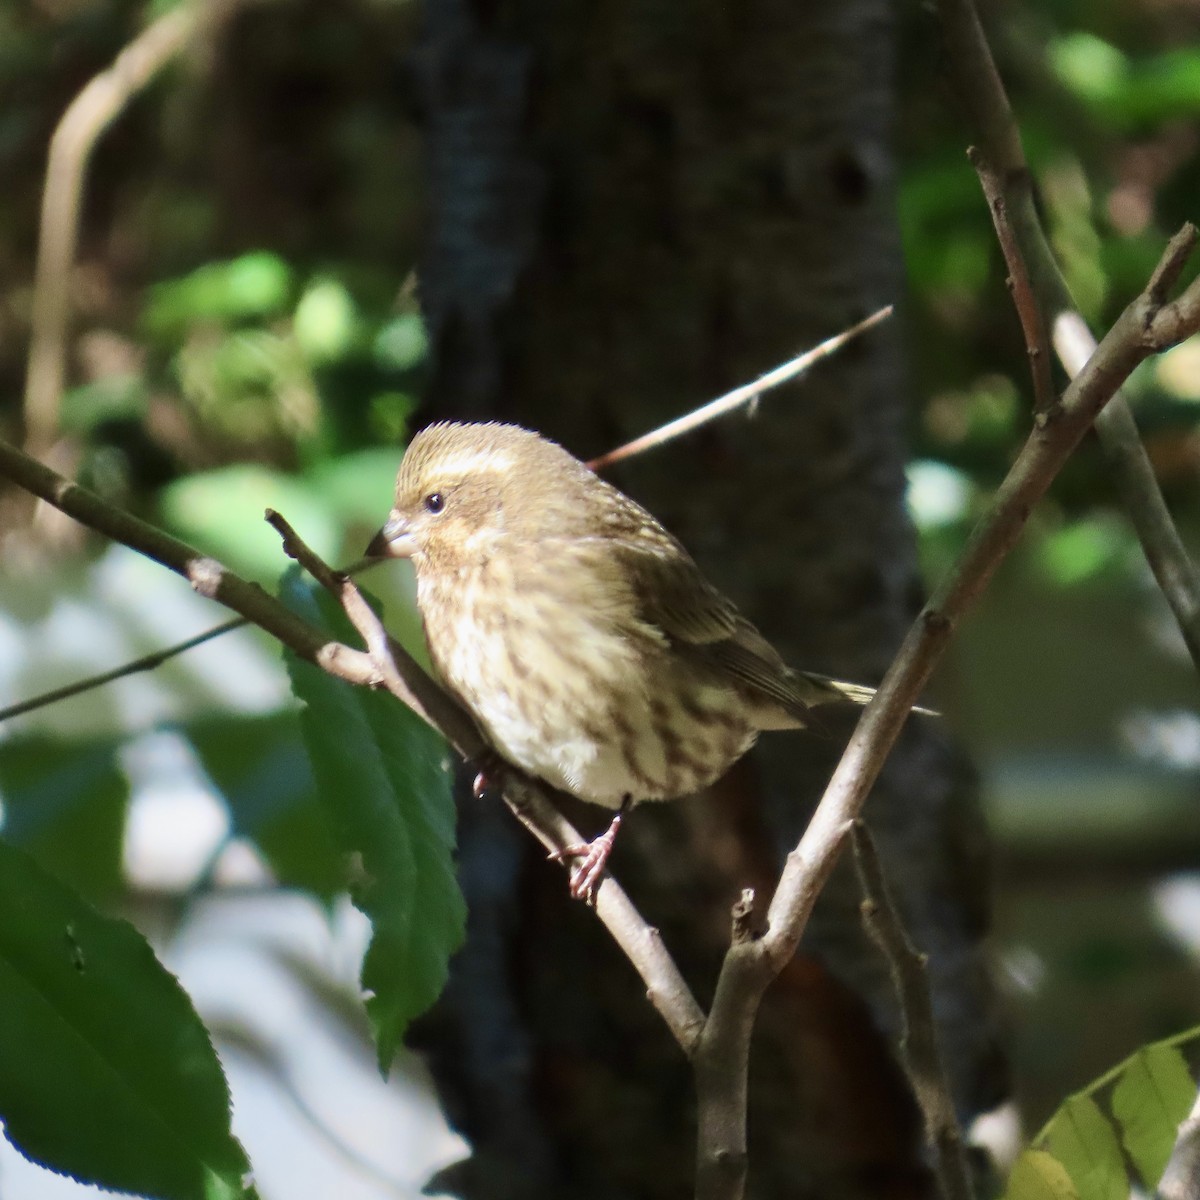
(581, 635)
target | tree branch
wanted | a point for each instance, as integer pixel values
(87, 117)
(385, 664)
(148, 662)
(206, 575)
(918, 1038)
(1145, 327)
(746, 394)
(974, 73)
(1029, 312)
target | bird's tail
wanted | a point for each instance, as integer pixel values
(854, 693)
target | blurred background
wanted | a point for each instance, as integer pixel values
(245, 331)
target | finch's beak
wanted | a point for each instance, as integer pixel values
(394, 540)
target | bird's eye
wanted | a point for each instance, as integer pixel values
(435, 502)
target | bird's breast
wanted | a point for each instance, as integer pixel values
(571, 686)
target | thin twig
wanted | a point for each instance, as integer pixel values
(149, 662)
(395, 669)
(969, 59)
(91, 112)
(739, 396)
(1146, 326)
(918, 1039)
(1029, 312)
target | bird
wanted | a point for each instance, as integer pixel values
(582, 637)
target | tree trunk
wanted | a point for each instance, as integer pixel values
(634, 209)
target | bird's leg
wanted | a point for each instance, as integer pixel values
(587, 874)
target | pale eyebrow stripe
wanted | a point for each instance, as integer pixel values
(466, 464)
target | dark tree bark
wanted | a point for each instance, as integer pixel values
(633, 209)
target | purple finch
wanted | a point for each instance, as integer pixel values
(578, 632)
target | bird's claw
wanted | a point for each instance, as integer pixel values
(490, 768)
(588, 873)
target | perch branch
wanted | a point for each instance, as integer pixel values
(403, 676)
(974, 73)
(665, 986)
(918, 1038)
(87, 117)
(395, 669)
(1148, 325)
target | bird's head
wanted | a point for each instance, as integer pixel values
(463, 490)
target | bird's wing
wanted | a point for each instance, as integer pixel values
(706, 626)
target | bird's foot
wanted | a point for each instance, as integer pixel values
(588, 873)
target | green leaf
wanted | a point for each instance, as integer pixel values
(1083, 1140)
(384, 778)
(1082, 550)
(1127, 92)
(1039, 1176)
(325, 321)
(388, 415)
(1091, 67)
(65, 803)
(1154, 1094)
(254, 285)
(106, 1072)
(402, 343)
(357, 487)
(259, 766)
(111, 398)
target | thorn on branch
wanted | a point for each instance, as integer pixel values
(747, 926)
(936, 621)
(1170, 265)
(295, 548)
